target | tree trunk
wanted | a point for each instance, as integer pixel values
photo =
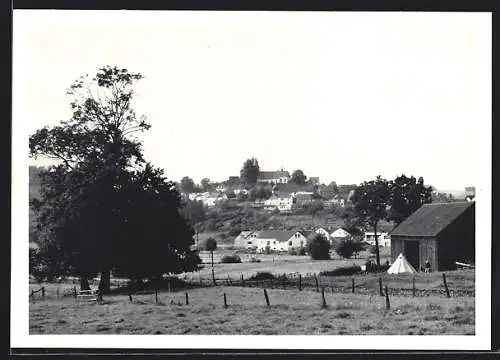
(84, 283)
(104, 283)
(376, 245)
(213, 273)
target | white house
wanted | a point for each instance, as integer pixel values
(246, 240)
(279, 240)
(383, 238)
(340, 233)
(283, 204)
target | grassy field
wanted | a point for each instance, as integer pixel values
(276, 264)
(291, 312)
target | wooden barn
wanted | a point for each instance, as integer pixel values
(440, 233)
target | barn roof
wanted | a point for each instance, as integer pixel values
(431, 219)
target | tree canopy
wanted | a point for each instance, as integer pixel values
(298, 177)
(318, 247)
(187, 185)
(102, 207)
(250, 172)
(407, 195)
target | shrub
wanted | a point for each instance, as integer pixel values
(319, 247)
(346, 248)
(231, 259)
(262, 275)
(209, 244)
(254, 259)
(345, 270)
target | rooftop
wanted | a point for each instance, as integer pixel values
(431, 219)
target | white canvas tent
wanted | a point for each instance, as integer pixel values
(400, 266)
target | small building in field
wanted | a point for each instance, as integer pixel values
(441, 233)
(383, 238)
(340, 234)
(246, 240)
(279, 240)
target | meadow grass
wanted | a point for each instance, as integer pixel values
(291, 312)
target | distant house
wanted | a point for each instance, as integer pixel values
(302, 198)
(283, 204)
(327, 192)
(246, 240)
(383, 238)
(340, 234)
(275, 177)
(441, 233)
(279, 240)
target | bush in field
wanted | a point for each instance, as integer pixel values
(254, 260)
(346, 248)
(264, 275)
(231, 259)
(319, 247)
(345, 270)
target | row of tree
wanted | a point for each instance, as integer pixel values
(380, 199)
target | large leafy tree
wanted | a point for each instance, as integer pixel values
(371, 200)
(249, 172)
(407, 195)
(187, 185)
(101, 203)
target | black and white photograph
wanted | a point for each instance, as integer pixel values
(258, 179)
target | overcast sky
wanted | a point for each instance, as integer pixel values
(342, 96)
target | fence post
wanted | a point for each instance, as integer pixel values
(317, 283)
(267, 297)
(353, 285)
(323, 297)
(225, 300)
(446, 286)
(156, 296)
(130, 297)
(242, 281)
(32, 293)
(57, 293)
(380, 286)
(43, 291)
(300, 282)
(413, 288)
(187, 299)
(74, 291)
(387, 303)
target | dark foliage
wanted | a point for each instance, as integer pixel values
(318, 247)
(341, 271)
(231, 259)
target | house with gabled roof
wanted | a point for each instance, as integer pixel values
(275, 177)
(440, 233)
(279, 240)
